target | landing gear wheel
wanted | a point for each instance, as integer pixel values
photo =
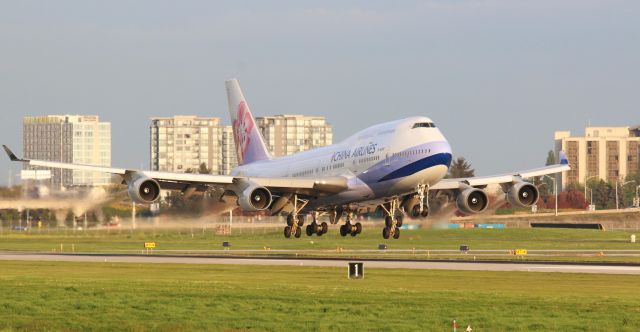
(415, 211)
(425, 213)
(298, 232)
(290, 220)
(353, 233)
(343, 230)
(388, 221)
(309, 230)
(386, 232)
(358, 227)
(324, 228)
(396, 233)
(348, 227)
(300, 220)
(399, 221)
(287, 232)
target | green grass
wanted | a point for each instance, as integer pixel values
(190, 239)
(167, 297)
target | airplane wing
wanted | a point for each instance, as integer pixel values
(183, 181)
(481, 181)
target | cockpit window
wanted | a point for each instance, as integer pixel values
(424, 125)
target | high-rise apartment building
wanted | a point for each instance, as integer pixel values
(607, 153)
(184, 142)
(288, 134)
(79, 139)
(228, 158)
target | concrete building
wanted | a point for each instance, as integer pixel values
(80, 139)
(228, 158)
(184, 142)
(607, 153)
(288, 134)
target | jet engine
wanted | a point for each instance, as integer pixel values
(254, 198)
(472, 200)
(522, 194)
(411, 206)
(144, 190)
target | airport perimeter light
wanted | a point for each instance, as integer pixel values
(555, 191)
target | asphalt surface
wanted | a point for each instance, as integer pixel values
(390, 264)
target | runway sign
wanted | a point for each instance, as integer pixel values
(520, 252)
(149, 245)
(356, 270)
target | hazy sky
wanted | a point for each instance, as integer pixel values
(497, 77)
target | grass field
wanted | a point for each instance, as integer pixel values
(166, 297)
(259, 239)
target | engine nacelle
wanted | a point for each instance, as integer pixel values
(254, 198)
(144, 190)
(472, 200)
(411, 206)
(522, 194)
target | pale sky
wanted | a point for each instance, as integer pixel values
(498, 77)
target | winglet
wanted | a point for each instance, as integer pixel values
(11, 155)
(563, 158)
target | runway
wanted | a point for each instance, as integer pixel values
(384, 264)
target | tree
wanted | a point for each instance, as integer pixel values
(202, 169)
(460, 168)
(604, 196)
(551, 158)
(547, 184)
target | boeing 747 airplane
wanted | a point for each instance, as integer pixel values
(392, 166)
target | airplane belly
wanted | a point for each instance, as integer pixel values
(358, 191)
(428, 176)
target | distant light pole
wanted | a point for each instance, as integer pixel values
(585, 186)
(555, 192)
(590, 196)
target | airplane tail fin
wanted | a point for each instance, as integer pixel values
(250, 146)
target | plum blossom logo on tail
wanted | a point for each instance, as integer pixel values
(242, 127)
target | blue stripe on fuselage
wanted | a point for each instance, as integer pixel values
(416, 166)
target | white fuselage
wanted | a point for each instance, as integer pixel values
(381, 161)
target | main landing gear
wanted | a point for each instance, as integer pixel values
(349, 228)
(295, 220)
(315, 228)
(422, 208)
(393, 219)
